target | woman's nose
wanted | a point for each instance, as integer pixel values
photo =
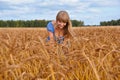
(63, 24)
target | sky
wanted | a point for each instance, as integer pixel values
(92, 12)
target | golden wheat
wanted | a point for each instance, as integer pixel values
(93, 54)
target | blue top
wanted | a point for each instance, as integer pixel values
(50, 28)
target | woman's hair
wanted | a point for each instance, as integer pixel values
(63, 16)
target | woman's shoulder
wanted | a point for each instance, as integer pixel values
(50, 26)
(51, 23)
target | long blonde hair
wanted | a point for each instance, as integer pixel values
(63, 16)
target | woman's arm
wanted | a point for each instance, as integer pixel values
(50, 29)
(51, 37)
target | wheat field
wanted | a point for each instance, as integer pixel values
(93, 55)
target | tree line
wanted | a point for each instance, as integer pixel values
(110, 23)
(33, 23)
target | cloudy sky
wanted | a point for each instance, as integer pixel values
(89, 11)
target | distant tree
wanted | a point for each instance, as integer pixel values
(118, 21)
(110, 23)
(77, 23)
(3, 23)
(33, 23)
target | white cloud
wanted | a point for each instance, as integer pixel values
(57, 2)
(47, 9)
(106, 2)
(68, 1)
(94, 10)
(17, 11)
(46, 3)
(17, 1)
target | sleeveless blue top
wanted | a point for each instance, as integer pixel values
(50, 28)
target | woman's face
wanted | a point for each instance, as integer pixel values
(61, 25)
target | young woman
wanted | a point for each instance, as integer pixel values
(60, 29)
